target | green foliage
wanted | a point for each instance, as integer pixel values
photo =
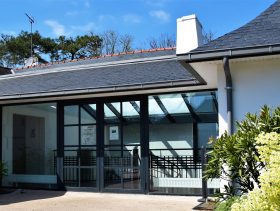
(15, 49)
(265, 198)
(226, 205)
(235, 157)
(79, 47)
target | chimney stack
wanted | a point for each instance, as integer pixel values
(189, 34)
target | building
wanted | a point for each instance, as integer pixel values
(136, 122)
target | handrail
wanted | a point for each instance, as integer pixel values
(172, 164)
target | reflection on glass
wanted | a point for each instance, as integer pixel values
(88, 115)
(154, 107)
(174, 103)
(112, 167)
(131, 108)
(174, 156)
(71, 115)
(79, 167)
(71, 135)
(122, 153)
(202, 101)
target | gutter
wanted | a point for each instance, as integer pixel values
(228, 94)
(251, 51)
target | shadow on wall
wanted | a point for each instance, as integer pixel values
(20, 195)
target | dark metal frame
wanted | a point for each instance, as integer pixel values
(144, 135)
(100, 122)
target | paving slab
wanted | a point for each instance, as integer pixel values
(36, 200)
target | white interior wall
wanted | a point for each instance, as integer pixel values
(167, 136)
(7, 135)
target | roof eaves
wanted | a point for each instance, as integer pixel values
(251, 51)
(112, 89)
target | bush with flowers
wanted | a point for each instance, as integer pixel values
(267, 197)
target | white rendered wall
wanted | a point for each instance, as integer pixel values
(255, 83)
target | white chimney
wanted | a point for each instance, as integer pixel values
(189, 34)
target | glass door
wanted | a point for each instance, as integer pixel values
(79, 162)
(122, 149)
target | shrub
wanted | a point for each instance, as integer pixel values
(265, 198)
(226, 204)
(239, 151)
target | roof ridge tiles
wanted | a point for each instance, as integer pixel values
(97, 57)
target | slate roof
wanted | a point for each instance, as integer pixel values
(93, 75)
(263, 30)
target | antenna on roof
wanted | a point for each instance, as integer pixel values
(31, 20)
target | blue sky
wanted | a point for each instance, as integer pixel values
(141, 18)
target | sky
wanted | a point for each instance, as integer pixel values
(143, 19)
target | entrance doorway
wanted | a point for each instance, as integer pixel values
(122, 148)
(80, 150)
(102, 147)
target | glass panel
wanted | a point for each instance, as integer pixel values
(131, 148)
(71, 135)
(30, 142)
(205, 131)
(88, 167)
(131, 167)
(71, 166)
(113, 167)
(202, 102)
(131, 108)
(174, 162)
(88, 115)
(88, 135)
(174, 103)
(154, 107)
(71, 115)
(111, 109)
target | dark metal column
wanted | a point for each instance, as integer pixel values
(1, 135)
(60, 145)
(100, 146)
(144, 136)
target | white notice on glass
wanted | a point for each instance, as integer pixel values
(114, 133)
(88, 135)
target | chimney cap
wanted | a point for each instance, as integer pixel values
(189, 17)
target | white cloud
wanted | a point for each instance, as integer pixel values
(72, 13)
(85, 28)
(57, 28)
(157, 3)
(132, 18)
(161, 15)
(103, 18)
(87, 4)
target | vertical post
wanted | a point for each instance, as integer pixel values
(100, 145)
(144, 135)
(1, 138)
(60, 145)
(31, 20)
(31, 50)
(204, 181)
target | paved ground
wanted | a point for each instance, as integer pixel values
(68, 201)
